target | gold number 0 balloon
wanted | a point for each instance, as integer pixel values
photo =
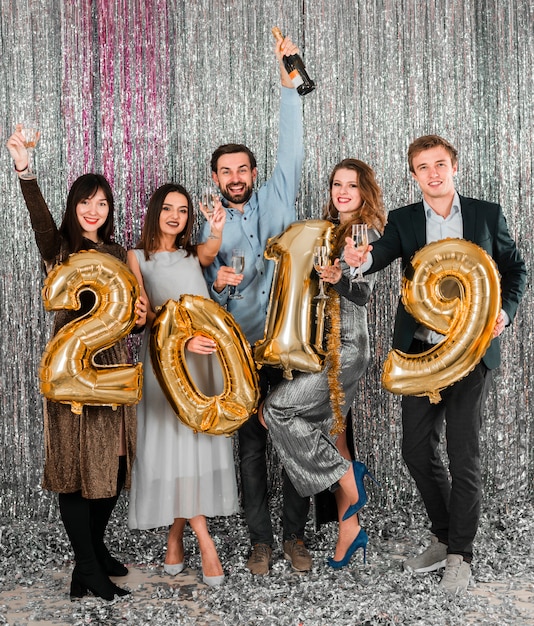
(451, 286)
(295, 321)
(68, 373)
(175, 323)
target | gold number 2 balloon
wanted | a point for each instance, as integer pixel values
(451, 286)
(175, 323)
(295, 321)
(68, 373)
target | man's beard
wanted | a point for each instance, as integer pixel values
(241, 198)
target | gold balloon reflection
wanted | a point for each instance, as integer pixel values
(295, 322)
(451, 286)
(175, 323)
(68, 373)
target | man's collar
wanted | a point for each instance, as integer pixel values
(455, 208)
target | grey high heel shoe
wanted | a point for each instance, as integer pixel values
(212, 581)
(173, 569)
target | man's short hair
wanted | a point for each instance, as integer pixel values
(426, 143)
(231, 148)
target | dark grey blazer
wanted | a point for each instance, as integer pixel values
(485, 225)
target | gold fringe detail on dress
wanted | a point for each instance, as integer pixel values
(337, 396)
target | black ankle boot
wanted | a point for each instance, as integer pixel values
(110, 565)
(96, 582)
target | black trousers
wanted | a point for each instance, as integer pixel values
(253, 465)
(453, 505)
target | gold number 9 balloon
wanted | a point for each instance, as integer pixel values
(295, 321)
(175, 323)
(451, 286)
(67, 372)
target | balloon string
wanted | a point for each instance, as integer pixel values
(333, 342)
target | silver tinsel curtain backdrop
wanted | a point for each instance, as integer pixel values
(144, 90)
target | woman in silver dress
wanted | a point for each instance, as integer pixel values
(299, 412)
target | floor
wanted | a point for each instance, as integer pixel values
(156, 596)
(36, 564)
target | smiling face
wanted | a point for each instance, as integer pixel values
(235, 177)
(92, 213)
(174, 214)
(345, 193)
(434, 172)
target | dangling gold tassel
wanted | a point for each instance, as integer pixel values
(333, 344)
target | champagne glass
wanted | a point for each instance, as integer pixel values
(30, 133)
(238, 263)
(209, 197)
(320, 259)
(361, 240)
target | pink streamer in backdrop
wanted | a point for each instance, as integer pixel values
(127, 119)
(151, 97)
(134, 87)
(127, 82)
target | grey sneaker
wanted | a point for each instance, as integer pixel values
(260, 559)
(296, 552)
(433, 558)
(456, 576)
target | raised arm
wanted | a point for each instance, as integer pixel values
(285, 179)
(43, 225)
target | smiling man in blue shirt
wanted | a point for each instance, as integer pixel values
(252, 218)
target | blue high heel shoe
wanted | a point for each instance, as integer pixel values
(360, 471)
(360, 542)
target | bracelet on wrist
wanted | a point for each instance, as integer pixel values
(20, 171)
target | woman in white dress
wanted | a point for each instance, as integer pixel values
(179, 476)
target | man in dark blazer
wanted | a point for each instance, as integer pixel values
(452, 506)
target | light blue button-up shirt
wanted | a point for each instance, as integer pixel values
(269, 211)
(438, 227)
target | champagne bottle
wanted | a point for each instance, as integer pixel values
(295, 68)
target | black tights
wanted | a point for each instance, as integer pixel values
(86, 520)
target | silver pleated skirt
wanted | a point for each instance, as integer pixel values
(299, 415)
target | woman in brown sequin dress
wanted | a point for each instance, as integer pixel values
(88, 457)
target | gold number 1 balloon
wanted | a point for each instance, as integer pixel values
(451, 286)
(68, 373)
(295, 321)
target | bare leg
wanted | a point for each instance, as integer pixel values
(175, 542)
(342, 446)
(347, 485)
(211, 566)
(348, 529)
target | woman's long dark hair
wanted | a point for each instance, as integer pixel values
(84, 188)
(371, 211)
(151, 234)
